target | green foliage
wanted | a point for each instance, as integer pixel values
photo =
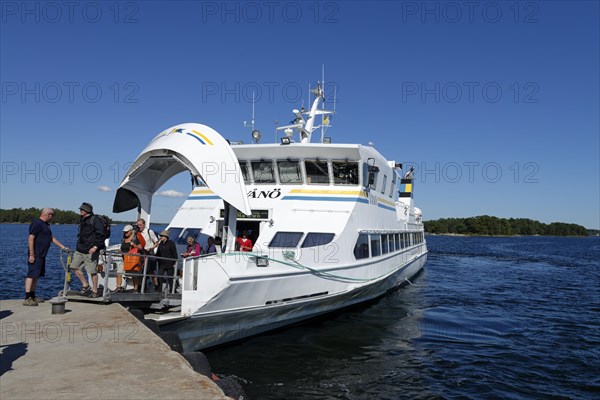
(485, 225)
(25, 216)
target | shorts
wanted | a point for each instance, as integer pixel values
(37, 269)
(89, 261)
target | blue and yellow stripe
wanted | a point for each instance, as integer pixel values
(203, 194)
(358, 196)
(193, 133)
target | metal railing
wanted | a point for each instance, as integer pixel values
(113, 257)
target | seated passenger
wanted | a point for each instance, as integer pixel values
(210, 247)
(193, 248)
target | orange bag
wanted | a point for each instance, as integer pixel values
(132, 262)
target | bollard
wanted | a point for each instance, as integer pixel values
(58, 305)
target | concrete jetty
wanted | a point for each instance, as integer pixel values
(91, 352)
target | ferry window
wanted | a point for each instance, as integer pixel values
(391, 241)
(403, 240)
(245, 171)
(345, 173)
(286, 239)
(383, 185)
(375, 245)
(393, 185)
(361, 248)
(289, 172)
(263, 172)
(397, 237)
(317, 239)
(384, 244)
(374, 171)
(316, 171)
(174, 233)
(194, 232)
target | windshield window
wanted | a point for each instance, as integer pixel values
(345, 172)
(316, 172)
(263, 172)
(289, 172)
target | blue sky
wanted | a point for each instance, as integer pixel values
(495, 103)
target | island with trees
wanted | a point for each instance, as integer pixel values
(485, 225)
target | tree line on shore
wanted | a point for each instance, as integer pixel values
(25, 216)
(487, 225)
(481, 225)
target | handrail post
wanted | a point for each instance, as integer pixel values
(143, 284)
(107, 264)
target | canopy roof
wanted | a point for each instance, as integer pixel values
(193, 147)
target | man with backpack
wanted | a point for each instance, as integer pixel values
(90, 240)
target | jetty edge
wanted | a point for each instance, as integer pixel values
(90, 352)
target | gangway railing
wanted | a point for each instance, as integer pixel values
(112, 259)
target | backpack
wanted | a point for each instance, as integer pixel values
(105, 224)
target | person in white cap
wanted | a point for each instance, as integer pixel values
(132, 245)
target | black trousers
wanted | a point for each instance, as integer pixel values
(168, 271)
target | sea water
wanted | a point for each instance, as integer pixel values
(505, 317)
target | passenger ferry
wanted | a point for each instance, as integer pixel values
(333, 225)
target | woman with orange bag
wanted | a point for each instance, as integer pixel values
(133, 243)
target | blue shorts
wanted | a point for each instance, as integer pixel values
(37, 269)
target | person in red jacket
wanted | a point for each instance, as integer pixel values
(244, 242)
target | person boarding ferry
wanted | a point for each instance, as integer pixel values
(38, 242)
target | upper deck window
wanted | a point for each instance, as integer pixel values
(316, 172)
(245, 171)
(289, 172)
(345, 172)
(263, 171)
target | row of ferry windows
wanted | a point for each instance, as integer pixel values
(291, 239)
(379, 244)
(316, 172)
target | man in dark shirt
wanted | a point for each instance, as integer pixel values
(38, 243)
(90, 240)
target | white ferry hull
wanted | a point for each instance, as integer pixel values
(205, 330)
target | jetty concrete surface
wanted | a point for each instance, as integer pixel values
(92, 351)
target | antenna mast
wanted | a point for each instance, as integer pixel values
(255, 134)
(323, 104)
